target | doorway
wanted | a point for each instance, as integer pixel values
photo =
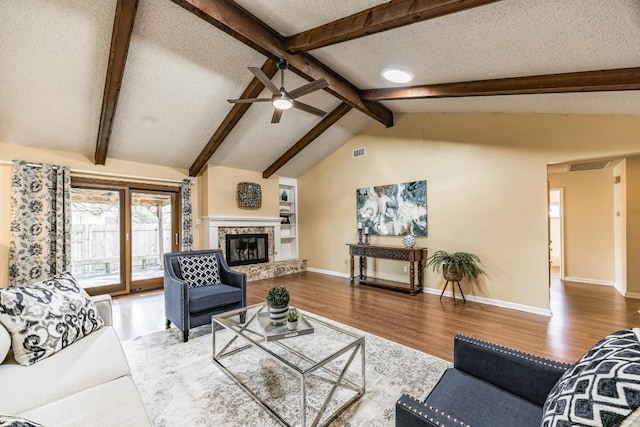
(556, 233)
(119, 234)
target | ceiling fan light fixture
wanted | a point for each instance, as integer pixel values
(282, 102)
(397, 76)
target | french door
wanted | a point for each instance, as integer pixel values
(119, 233)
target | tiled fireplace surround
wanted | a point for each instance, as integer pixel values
(217, 228)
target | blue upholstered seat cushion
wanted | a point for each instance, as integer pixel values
(200, 270)
(481, 404)
(602, 388)
(208, 297)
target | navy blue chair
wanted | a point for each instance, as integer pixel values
(489, 385)
(188, 307)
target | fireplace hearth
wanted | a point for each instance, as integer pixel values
(244, 249)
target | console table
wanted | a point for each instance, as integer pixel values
(397, 253)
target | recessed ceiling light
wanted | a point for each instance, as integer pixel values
(397, 76)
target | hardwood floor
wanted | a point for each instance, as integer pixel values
(582, 314)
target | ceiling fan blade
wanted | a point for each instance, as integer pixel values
(276, 116)
(265, 80)
(308, 88)
(308, 108)
(248, 100)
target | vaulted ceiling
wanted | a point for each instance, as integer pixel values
(149, 80)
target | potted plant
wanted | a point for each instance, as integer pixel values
(455, 265)
(278, 302)
(292, 319)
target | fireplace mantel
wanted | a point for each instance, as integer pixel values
(213, 223)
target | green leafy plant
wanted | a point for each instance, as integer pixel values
(292, 315)
(278, 297)
(456, 262)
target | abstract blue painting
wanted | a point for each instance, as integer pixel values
(393, 210)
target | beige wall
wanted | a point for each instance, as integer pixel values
(620, 225)
(486, 190)
(589, 252)
(221, 185)
(633, 225)
(76, 162)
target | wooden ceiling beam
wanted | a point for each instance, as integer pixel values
(120, 40)
(387, 16)
(240, 24)
(231, 120)
(317, 130)
(583, 81)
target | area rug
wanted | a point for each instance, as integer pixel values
(181, 386)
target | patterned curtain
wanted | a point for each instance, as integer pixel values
(187, 216)
(40, 222)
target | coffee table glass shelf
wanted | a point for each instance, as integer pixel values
(306, 380)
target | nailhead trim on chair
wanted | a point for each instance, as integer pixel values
(520, 354)
(431, 408)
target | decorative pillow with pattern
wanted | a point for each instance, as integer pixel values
(602, 388)
(200, 270)
(9, 421)
(46, 317)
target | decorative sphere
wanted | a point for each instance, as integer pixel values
(409, 241)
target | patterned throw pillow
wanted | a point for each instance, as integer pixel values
(602, 388)
(9, 421)
(46, 317)
(199, 271)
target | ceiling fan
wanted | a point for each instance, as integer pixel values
(281, 99)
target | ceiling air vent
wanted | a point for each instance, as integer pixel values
(359, 152)
(587, 166)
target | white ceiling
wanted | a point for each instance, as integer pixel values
(181, 70)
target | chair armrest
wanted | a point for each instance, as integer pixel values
(525, 375)
(176, 300)
(105, 309)
(410, 412)
(235, 279)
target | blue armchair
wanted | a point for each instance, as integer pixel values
(489, 385)
(189, 306)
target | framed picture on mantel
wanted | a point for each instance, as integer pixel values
(393, 210)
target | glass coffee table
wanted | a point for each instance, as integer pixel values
(301, 379)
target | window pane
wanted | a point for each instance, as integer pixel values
(151, 233)
(95, 236)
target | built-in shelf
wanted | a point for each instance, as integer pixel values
(288, 189)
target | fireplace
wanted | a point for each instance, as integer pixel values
(243, 249)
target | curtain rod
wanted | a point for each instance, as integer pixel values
(104, 174)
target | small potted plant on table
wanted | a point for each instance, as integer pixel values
(278, 302)
(292, 319)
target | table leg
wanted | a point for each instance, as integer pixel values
(412, 278)
(351, 269)
(363, 266)
(420, 276)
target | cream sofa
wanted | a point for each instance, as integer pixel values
(87, 383)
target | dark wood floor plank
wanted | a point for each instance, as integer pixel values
(582, 314)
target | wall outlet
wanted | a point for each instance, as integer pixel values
(405, 268)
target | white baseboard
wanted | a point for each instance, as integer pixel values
(495, 302)
(589, 281)
(481, 300)
(328, 272)
(634, 295)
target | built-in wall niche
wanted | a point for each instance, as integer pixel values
(288, 219)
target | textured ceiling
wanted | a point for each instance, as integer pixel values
(53, 59)
(181, 70)
(505, 39)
